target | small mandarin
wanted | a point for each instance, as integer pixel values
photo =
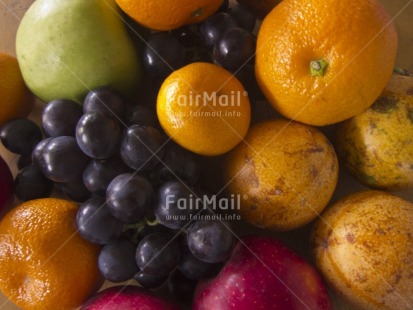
(204, 108)
(44, 263)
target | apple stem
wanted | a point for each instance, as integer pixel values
(318, 67)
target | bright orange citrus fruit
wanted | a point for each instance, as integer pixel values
(168, 14)
(204, 108)
(16, 101)
(44, 263)
(323, 61)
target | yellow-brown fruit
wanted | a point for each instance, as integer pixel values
(363, 245)
(287, 171)
(377, 145)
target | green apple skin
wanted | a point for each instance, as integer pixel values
(66, 48)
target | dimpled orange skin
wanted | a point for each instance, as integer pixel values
(190, 121)
(16, 101)
(288, 172)
(355, 37)
(44, 263)
(377, 145)
(168, 14)
(364, 247)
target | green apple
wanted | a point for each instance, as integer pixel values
(66, 48)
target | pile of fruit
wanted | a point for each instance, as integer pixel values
(162, 120)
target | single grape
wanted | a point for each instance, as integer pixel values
(98, 134)
(105, 99)
(194, 268)
(60, 116)
(20, 135)
(244, 17)
(141, 147)
(187, 37)
(158, 254)
(99, 173)
(181, 287)
(214, 27)
(37, 151)
(129, 197)
(179, 163)
(117, 260)
(30, 184)
(24, 161)
(210, 240)
(143, 116)
(175, 203)
(149, 281)
(96, 224)
(234, 49)
(75, 190)
(61, 159)
(163, 54)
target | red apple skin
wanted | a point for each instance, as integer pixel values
(126, 298)
(281, 280)
(6, 185)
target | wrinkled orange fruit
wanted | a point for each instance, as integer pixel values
(168, 14)
(320, 62)
(44, 263)
(204, 108)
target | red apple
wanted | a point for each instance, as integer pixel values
(126, 298)
(6, 185)
(262, 273)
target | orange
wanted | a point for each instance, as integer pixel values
(204, 108)
(15, 98)
(323, 61)
(286, 173)
(44, 263)
(168, 14)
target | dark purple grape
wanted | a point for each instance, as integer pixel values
(214, 27)
(98, 134)
(143, 116)
(20, 135)
(224, 6)
(187, 37)
(210, 240)
(30, 184)
(141, 147)
(244, 17)
(117, 260)
(194, 268)
(129, 197)
(234, 49)
(163, 54)
(75, 190)
(24, 161)
(149, 281)
(158, 254)
(99, 173)
(175, 203)
(60, 116)
(37, 151)
(105, 99)
(96, 224)
(181, 287)
(179, 163)
(61, 159)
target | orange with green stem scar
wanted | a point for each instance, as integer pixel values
(321, 62)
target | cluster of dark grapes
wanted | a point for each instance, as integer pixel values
(115, 160)
(225, 38)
